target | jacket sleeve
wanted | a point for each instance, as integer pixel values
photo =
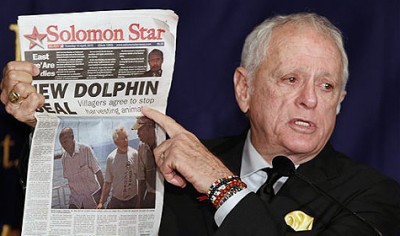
(250, 217)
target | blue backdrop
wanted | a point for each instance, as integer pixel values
(210, 36)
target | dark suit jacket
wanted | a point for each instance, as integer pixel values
(361, 189)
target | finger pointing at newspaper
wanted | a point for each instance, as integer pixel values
(183, 157)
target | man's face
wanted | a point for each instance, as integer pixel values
(121, 141)
(147, 134)
(155, 61)
(67, 141)
(295, 93)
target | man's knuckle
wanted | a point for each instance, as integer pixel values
(10, 66)
(12, 75)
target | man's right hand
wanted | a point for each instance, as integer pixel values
(17, 77)
(183, 157)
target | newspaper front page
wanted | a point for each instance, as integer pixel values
(91, 168)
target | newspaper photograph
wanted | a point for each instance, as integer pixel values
(92, 168)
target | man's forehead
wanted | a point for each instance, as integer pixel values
(155, 55)
(66, 133)
(295, 47)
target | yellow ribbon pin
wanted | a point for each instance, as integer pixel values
(299, 221)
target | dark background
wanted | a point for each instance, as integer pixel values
(209, 41)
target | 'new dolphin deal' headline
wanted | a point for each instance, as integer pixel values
(81, 90)
(53, 90)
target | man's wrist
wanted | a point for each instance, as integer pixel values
(222, 189)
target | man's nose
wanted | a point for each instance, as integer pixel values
(307, 96)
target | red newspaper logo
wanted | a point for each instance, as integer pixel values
(35, 39)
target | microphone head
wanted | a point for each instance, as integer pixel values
(283, 166)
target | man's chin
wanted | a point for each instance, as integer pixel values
(303, 147)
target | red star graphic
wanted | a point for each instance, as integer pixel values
(35, 38)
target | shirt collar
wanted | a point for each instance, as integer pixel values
(76, 150)
(252, 161)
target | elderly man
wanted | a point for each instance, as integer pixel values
(123, 175)
(290, 85)
(82, 170)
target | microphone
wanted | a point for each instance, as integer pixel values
(285, 167)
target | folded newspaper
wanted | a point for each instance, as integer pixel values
(91, 168)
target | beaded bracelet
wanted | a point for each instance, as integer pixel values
(228, 192)
(224, 188)
(220, 183)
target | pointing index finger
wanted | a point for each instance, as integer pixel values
(167, 123)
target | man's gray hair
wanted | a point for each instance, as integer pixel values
(118, 129)
(257, 42)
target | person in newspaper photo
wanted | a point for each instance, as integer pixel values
(82, 170)
(124, 178)
(155, 60)
(290, 85)
(147, 135)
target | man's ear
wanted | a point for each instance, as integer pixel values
(242, 88)
(342, 96)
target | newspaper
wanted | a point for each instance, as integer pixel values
(91, 168)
